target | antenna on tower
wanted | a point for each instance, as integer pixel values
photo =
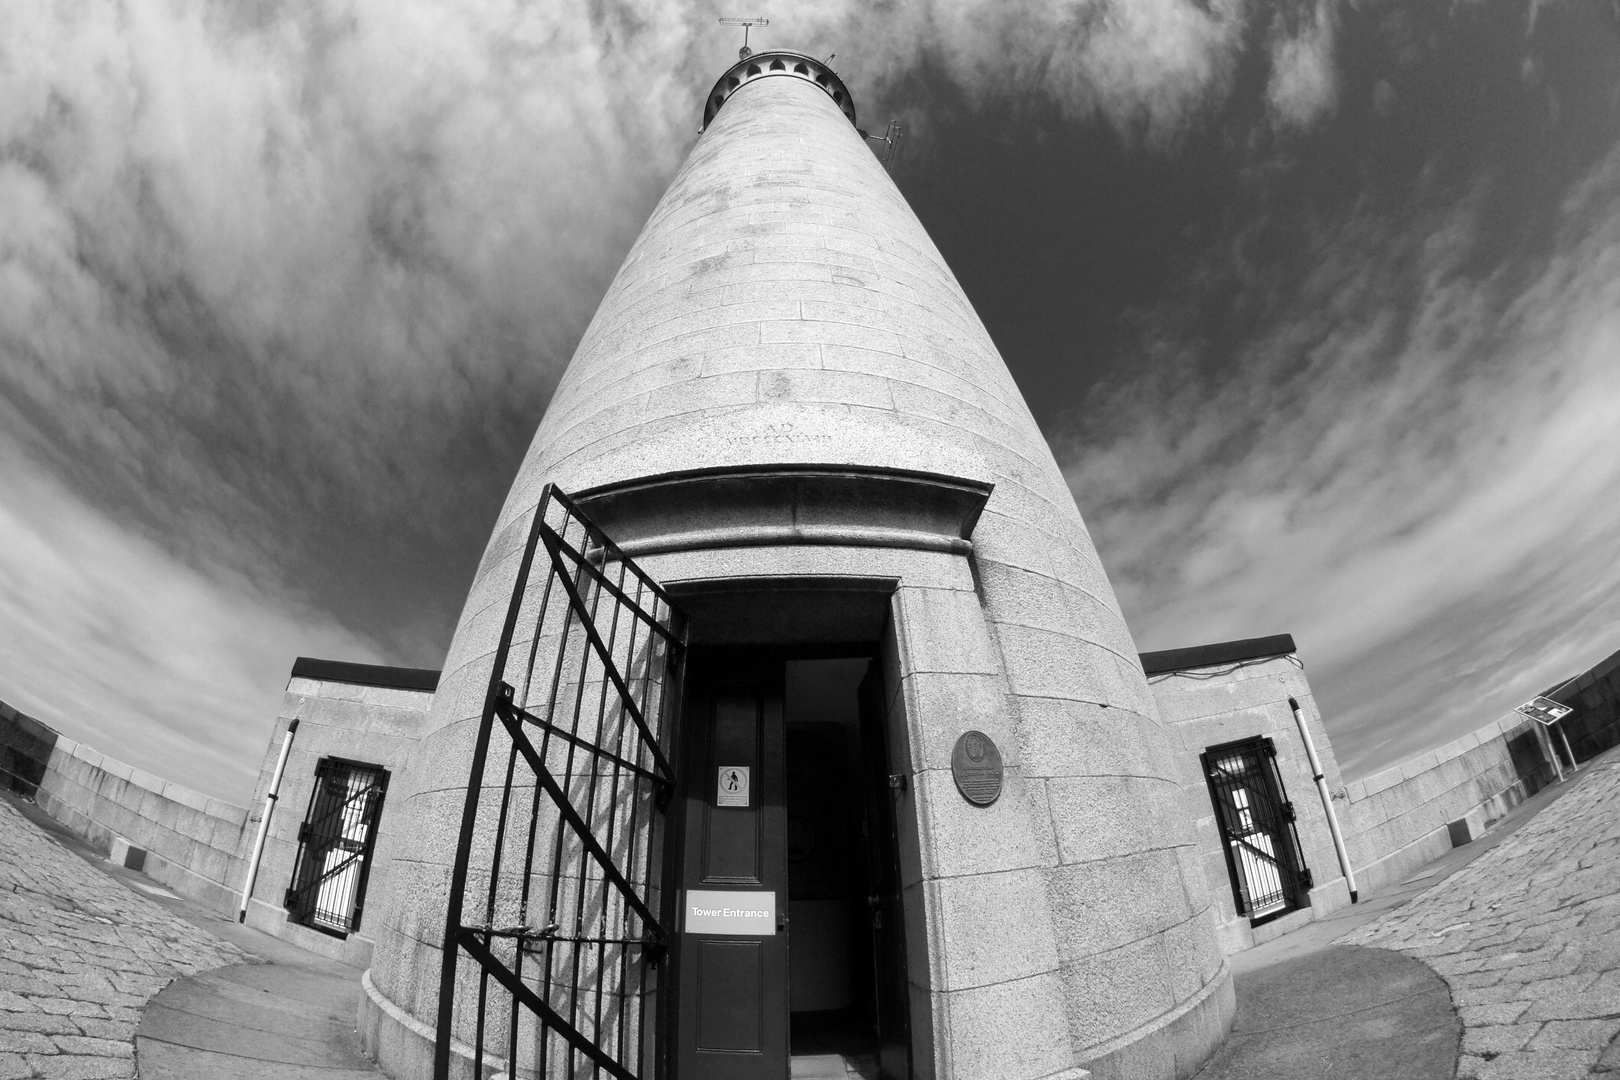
(745, 52)
(891, 142)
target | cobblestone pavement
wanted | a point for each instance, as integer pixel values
(1528, 938)
(80, 956)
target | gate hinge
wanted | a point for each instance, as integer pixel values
(290, 900)
(303, 832)
(1305, 881)
(1268, 748)
(1286, 811)
(897, 781)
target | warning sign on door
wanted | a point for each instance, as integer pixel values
(733, 789)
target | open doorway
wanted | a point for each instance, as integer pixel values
(824, 995)
(831, 989)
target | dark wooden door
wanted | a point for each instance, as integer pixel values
(733, 950)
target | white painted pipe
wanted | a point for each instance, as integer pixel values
(264, 822)
(1327, 799)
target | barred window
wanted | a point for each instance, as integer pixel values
(335, 843)
(1256, 823)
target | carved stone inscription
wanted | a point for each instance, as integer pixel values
(976, 766)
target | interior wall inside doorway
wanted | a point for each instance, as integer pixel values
(827, 871)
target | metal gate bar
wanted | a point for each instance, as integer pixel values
(601, 633)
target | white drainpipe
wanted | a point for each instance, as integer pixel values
(1327, 799)
(264, 822)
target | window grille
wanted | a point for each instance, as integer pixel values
(335, 843)
(1256, 824)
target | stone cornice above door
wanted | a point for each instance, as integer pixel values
(754, 506)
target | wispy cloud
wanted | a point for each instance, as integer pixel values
(1412, 471)
(1147, 67)
(1304, 83)
(113, 641)
(284, 289)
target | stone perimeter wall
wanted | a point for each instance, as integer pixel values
(1399, 819)
(25, 748)
(196, 845)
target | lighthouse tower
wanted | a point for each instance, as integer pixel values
(911, 797)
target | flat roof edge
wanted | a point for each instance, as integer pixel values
(395, 678)
(1222, 652)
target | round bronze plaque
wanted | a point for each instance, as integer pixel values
(976, 765)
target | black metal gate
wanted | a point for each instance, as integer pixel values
(1256, 821)
(555, 889)
(334, 846)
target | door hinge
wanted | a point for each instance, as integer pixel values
(1286, 811)
(897, 782)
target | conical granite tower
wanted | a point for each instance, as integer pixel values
(787, 412)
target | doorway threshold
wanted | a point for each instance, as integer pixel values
(834, 1067)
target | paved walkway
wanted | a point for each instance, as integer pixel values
(277, 1021)
(1356, 996)
(1522, 928)
(1528, 939)
(80, 956)
(106, 974)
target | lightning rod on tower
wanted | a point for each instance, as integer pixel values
(744, 52)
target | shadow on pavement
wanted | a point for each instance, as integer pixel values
(255, 1022)
(1345, 1012)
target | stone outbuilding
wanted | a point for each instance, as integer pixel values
(343, 734)
(1240, 713)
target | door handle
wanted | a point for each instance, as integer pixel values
(781, 922)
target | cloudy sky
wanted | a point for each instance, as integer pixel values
(1318, 304)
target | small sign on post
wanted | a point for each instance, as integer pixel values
(1547, 712)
